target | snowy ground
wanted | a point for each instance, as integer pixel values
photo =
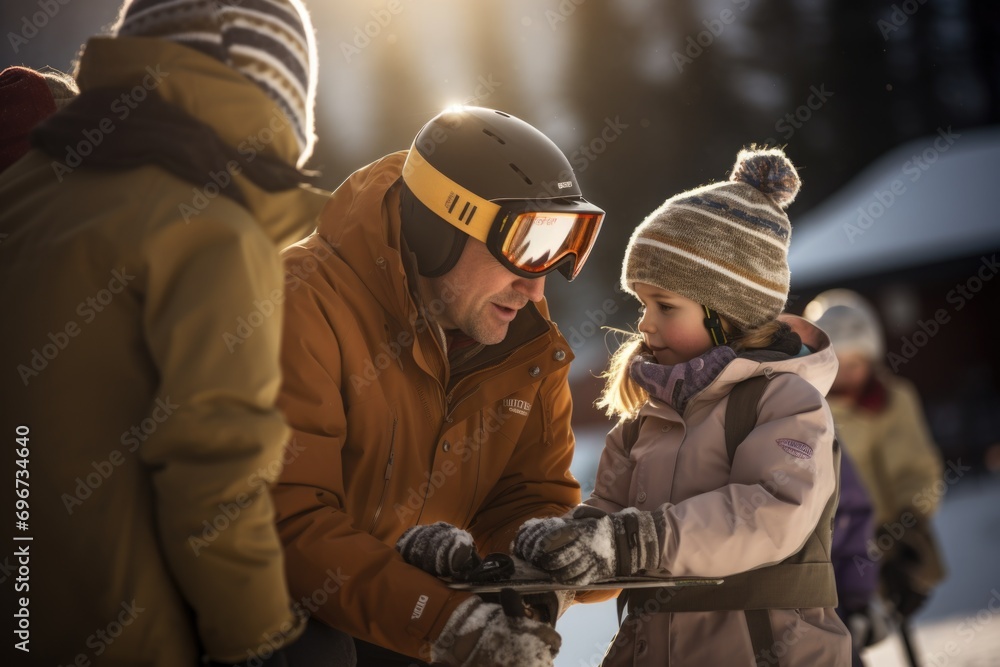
(959, 627)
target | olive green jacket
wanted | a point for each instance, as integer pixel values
(140, 353)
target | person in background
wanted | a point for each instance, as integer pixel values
(27, 97)
(139, 232)
(689, 485)
(428, 392)
(882, 426)
(857, 587)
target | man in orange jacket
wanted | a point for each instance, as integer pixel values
(427, 387)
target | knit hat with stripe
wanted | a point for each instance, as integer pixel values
(723, 245)
(270, 42)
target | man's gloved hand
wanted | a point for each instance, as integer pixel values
(440, 549)
(590, 545)
(480, 633)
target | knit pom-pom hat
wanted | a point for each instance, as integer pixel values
(270, 42)
(723, 245)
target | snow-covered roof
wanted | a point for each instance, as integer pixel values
(929, 200)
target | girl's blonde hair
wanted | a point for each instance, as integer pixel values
(622, 396)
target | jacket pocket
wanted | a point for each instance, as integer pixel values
(385, 478)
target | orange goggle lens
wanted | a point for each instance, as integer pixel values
(538, 241)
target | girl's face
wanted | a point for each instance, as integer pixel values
(672, 326)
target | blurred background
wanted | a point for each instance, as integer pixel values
(891, 110)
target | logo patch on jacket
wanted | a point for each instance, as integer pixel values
(517, 406)
(799, 450)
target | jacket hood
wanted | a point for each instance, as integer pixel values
(239, 112)
(372, 251)
(818, 368)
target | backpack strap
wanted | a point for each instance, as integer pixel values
(741, 412)
(741, 418)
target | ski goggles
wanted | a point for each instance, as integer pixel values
(529, 237)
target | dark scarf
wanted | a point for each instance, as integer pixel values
(675, 385)
(156, 133)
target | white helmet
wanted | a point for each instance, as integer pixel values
(850, 321)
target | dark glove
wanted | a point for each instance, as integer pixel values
(898, 587)
(912, 566)
(868, 625)
(590, 545)
(440, 549)
(480, 633)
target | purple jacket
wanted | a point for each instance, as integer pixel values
(857, 575)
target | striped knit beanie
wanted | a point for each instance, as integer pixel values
(270, 42)
(723, 245)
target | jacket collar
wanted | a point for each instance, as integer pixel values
(240, 113)
(819, 368)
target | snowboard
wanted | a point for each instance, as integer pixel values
(543, 585)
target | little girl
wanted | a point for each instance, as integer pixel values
(672, 497)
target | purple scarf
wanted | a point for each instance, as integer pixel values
(675, 385)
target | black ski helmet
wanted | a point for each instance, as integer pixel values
(493, 154)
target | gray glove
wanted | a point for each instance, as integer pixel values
(590, 545)
(479, 633)
(440, 549)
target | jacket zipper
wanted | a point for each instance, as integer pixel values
(388, 474)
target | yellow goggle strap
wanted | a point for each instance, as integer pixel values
(446, 198)
(714, 326)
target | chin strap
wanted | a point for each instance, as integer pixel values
(714, 325)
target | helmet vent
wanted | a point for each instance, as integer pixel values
(490, 134)
(501, 113)
(521, 174)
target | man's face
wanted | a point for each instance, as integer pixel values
(484, 295)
